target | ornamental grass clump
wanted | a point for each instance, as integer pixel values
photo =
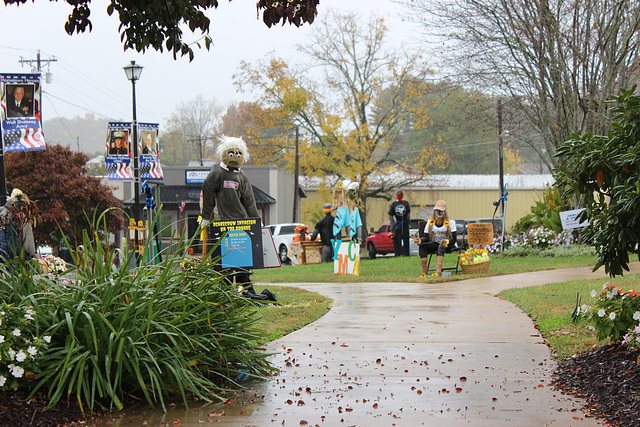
(120, 330)
(614, 312)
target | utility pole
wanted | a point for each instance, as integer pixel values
(295, 179)
(39, 62)
(200, 150)
(501, 171)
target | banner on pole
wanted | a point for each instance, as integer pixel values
(149, 161)
(117, 161)
(20, 97)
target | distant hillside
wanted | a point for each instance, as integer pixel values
(88, 131)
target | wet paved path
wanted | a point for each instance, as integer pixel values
(405, 354)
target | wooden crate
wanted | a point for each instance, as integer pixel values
(311, 253)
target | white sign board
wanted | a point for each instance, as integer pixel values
(569, 221)
(269, 254)
(346, 257)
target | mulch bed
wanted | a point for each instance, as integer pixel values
(15, 411)
(609, 378)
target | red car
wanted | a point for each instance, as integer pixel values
(379, 242)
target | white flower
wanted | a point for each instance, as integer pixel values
(47, 338)
(32, 350)
(590, 328)
(2, 380)
(1, 339)
(29, 314)
(605, 285)
(636, 315)
(602, 313)
(16, 332)
(593, 293)
(584, 308)
(12, 354)
(21, 356)
(612, 315)
(17, 371)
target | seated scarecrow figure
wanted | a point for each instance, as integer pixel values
(439, 238)
(228, 189)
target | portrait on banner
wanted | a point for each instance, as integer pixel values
(19, 100)
(118, 142)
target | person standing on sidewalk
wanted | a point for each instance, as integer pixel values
(399, 217)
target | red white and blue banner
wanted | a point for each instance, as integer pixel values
(149, 160)
(20, 98)
(117, 160)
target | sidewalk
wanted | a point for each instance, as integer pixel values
(407, 354)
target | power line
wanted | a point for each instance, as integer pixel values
(76, 105)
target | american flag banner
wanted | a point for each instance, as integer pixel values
(20, 98)
(181, 206)
(150, 168)
(118, 167)
(22, 135)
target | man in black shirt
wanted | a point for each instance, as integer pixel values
(399, 217)
(325, 228)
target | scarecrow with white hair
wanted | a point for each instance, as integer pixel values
(227, 189)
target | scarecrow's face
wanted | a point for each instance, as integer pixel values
(438, 215)
(233, 158)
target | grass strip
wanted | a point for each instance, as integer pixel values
(550, 307)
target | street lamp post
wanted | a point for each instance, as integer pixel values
(501, 173)
(133, 72)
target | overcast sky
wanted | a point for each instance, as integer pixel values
(88, 75)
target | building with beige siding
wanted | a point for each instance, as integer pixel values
(467, 196)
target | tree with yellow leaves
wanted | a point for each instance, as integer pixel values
(350, 117)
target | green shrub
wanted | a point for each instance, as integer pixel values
(553, 251)
(152, 330)
(546, 211)
(613, 313)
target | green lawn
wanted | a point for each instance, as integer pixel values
(550, 306)
(407, 269)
